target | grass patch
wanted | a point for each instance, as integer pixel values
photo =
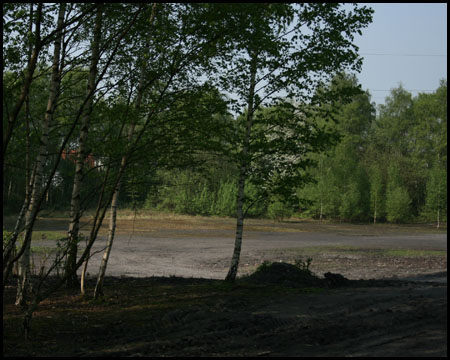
(48, 235)
(387, 252)
(340, 249)
(413, 253)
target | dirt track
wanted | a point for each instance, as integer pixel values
(384, 318)
(188, 254)
(204, 248)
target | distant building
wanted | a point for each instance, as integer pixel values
(72, 156)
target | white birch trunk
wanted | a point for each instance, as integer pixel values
(36, 191)
(98, 291)
(232, 272)
(438, 205)
(75, 210)
(375, 210)
(32, 63)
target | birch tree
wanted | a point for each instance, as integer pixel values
(24, 262)
(104, 194)
(75, 212)
(168, 95)
(41, 38)
(106, 42)
(284, 52)
(41, 190)
(31, 66)
(436, 194)
(115, 199)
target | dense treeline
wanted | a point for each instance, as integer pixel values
(386, 167)
(390, 167)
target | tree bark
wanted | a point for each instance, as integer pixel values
(438, 204)
(75, 208)
(27, 83)
(232, 272)
(321, 209)
(98, 291)
(24, 261)
(38, 296)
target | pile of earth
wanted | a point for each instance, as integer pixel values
(286, 274)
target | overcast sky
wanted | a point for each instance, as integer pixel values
(390, 45)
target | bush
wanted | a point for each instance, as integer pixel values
(7, 235)
(303, 265)
(202, 201)
(398, 205)
(279, 211)
(225, 202)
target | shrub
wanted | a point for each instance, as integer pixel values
(303, 265)
(278, 211)
(398, 205)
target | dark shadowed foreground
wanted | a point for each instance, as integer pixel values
(283, 316)
(398, 308)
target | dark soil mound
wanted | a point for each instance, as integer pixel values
(335, 280)
(281, 273)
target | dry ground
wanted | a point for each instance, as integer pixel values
(166, 297)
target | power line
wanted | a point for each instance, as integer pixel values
(387, 54)
(403, 89)
(384, 97)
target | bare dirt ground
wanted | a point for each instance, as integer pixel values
(202, 247)
(164, 296)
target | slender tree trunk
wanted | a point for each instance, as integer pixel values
(38, 44)
(10, 253)
(437, 226)
(112, 223)
(83, 275)
(9, 190)
(375, 210)
(28, 180)
(101, 208)
(28, 184)
(98, 291)
(27, 83)
(24, 261)
(96, 224)
(321, 209)
(75, 208)
(438, 205)
(232, 272)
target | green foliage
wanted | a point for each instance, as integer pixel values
(304, 264)
(264, 266)
(187, 192)
(203, 201)
(398, 205)
(7, 235)
(376, 192)
(225, 201)
(398, 201)
(255, 202)
(383, 167)
(436, 195)
(278, 210)
(191, 117)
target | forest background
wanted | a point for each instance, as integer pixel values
(389, 165)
